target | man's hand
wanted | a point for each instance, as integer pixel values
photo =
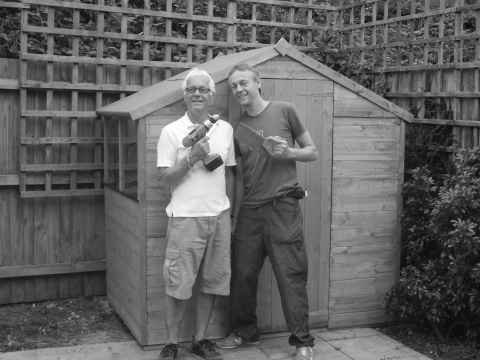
(200, 150)
(277, 147)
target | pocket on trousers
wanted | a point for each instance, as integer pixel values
(287, 220)
(171, 267)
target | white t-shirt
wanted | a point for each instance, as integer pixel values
(200, 192)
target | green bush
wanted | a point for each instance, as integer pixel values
(439, 282)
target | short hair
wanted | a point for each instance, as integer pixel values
(196, 71)
(244, 67)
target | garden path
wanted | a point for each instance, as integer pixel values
(349, 344)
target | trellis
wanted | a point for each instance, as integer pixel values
(79, 55)
(429, 53)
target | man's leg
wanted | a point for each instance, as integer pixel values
(174, 313)
(248, 255)
(204, 306)
(286, 250)
(182, 259)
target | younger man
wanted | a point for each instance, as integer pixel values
(269, 222)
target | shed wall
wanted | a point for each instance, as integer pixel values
(367, 177)
(125, 243)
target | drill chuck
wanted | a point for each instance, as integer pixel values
(200, 131)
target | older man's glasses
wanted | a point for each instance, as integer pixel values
(192, 90)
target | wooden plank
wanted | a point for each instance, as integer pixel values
(61, 140)
(50, 269)
(9, 132)
(365, 261)
(155, 246)
(121, 155)
(156, 221)
(141, 158)
(364, 219)
(356, 296)
(61, 193)
(462, 123)
(317, 207)
(59, 3)
(9, 84)
(67, 167)
(9, 180)
(364, 203)
(13, 5)
(365, 168)
(359, 318)
(344, 146)
(284, 68)
(353, 186)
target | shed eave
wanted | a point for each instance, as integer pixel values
(168, 91)
(120, 115)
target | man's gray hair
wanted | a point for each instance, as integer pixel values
(196, 71)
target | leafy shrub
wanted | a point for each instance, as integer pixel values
(439, 282)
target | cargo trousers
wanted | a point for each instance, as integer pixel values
(274, 229)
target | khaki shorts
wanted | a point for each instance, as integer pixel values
(198, 246)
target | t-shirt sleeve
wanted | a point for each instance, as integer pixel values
(166, 149)
(230, 159)
(296, 125)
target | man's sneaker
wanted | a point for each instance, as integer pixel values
(169, 352)
(233, 341)
(206, 349)
(304, 353)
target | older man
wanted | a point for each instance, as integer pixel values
(198, 234)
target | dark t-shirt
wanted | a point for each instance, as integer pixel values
(264, 177)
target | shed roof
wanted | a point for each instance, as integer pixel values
(169, 91)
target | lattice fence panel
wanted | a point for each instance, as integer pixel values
(428, 50)
(78, 55)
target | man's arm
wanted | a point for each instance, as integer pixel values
(173, 174)
(305, 153)
(236, 191)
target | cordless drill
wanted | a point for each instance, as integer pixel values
(212, 161)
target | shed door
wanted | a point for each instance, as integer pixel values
(314, 101)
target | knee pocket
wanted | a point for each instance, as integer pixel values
(171, 268)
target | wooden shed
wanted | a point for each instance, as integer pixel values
(351, 214)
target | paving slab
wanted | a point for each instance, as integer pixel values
(350, 344)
